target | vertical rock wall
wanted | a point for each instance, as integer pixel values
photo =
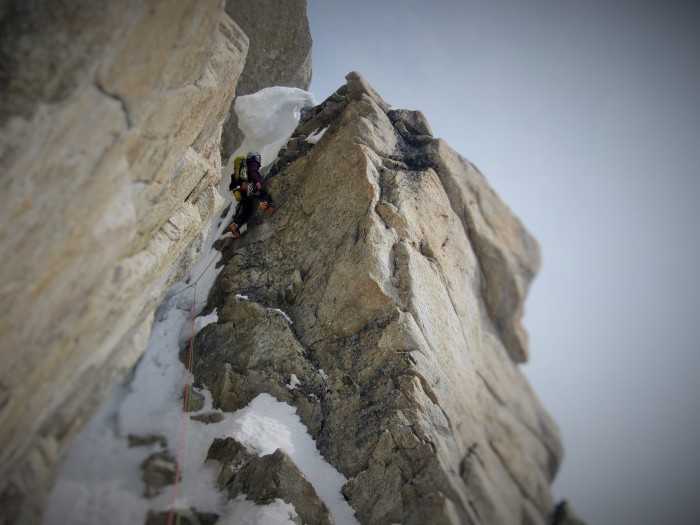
(110, 125)
(403, 275)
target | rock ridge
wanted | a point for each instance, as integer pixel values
(508, 269)
(383, 255)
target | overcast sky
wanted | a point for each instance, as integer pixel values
(585, 117)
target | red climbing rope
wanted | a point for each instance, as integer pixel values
(185, 414)
(186, 405)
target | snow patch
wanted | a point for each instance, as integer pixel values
(316, 135)
(283, 314)
(100, 481)
(293, 382)
(243, 512)
(189, 331)
(268, 118)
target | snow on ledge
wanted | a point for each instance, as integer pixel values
(316, 136)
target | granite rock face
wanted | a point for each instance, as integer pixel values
(401, 276)
(390, 283)
(265, 478)
(110, 132)
(279, 53)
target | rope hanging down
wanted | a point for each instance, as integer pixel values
(182, 449)
(185, 421)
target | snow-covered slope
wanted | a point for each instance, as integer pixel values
(101, 480)
(382, 302)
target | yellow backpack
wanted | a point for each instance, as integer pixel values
(239, 175)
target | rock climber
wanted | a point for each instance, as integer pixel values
(250, 190)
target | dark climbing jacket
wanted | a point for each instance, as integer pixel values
(253, 170)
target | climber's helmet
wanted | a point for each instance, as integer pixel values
(252, 155)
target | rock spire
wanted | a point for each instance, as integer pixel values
(403, 275)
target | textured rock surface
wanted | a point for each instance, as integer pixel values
(279, 53)
(110, 128)
(266, 478)
(403, 275)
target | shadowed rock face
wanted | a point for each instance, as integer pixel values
(403, 275)
(110, 128)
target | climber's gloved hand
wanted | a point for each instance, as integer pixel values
(258, 186)
(244, 186)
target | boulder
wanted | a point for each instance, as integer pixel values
(146, 441)
(266, 478)
(157, 471)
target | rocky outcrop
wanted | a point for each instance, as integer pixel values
(158, 471)
(279, 53)
(110, 127)
(266, 478)
(565, 515)
(390, 283)
(383, 300)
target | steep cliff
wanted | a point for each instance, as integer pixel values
(383, 300)
(111, 116)
(402, 275)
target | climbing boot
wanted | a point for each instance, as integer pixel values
(235, 230)
(264, 205)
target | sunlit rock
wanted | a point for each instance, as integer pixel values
(110, 131)
(403, 276)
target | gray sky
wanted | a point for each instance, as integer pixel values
(585, 118)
